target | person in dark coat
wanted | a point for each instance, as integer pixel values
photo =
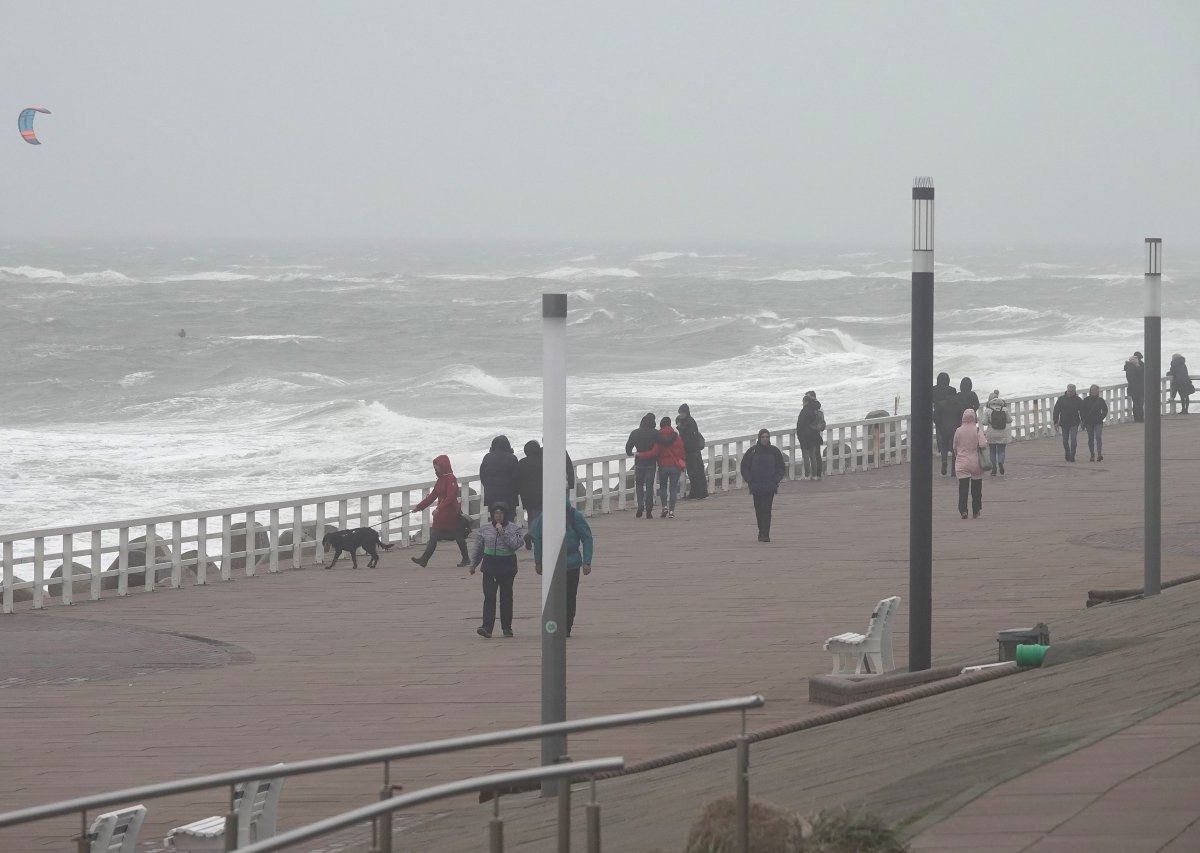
(529, 484)
(1135, 380)
(762, 470)
(640, 440)
(671, 457)
(1181, 382)
(948, 418)
(1068, 412)
(693, 446)
(810, 432)
(446, 525)
(1093, 411)
(942, 389)
(968, 398)
(500, 475)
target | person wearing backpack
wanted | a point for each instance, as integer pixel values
(578, 536)
(810, 432)
(1093, 414)
(996, 419)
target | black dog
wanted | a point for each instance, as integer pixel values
(350, 541)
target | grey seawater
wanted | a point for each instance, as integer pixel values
(309, 370)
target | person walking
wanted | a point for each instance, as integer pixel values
(810, 434)
(446, 524)
(529, 484)
(1135, 382)
(968, 441)
(668, 451)
(941, 390)
(496, 548)
(693, 446)
(762, 470)
(996, 419)
(1093, 411)
(578, 536)
(500, 475)
(640, 440)
(1067, 412)
(1181, 382)
(966, 396)
(949, 419)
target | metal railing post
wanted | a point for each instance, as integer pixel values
(743, 789)
(231, 821)
(496, 828)
(564, 810)
(83, 844)
(381, 828)
(593, 820)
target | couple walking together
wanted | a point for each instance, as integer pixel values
(669, 452)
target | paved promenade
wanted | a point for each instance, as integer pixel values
(308, 663)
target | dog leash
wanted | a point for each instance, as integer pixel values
(393, 518)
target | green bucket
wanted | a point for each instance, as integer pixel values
(1031, 655)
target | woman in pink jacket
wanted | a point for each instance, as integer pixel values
(968, 441)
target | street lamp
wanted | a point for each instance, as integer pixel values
(920, 434)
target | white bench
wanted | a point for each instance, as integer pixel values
(869, 653)
(257, 808)
(116, 832)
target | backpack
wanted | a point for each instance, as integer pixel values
(818, 421)
(998, 419)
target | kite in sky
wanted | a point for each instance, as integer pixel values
(25, 124)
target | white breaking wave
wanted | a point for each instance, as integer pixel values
(59, 277)
(475, 378)
(274, 338)
(808, 275)
(137, 378)
(576, 273)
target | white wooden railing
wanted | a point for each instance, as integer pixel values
(243, 541)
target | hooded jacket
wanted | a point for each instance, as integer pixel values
(942, 390)
(966, 396)
(642, 439)
(1093, 410)
(763, 468)
(995, 435)
(497, 543)
(1135, 375)
(948, 414)
(1068, 411)
(578, 534)
(529, 480)
(499, 474)
(1180, 380)
(668, 450)
(693, 441)
(968, 441)
(445, 492)
(806, 430)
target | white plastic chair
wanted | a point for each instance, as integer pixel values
(116, 832)
(257, 812)
(869, 653)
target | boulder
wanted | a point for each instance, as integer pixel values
(307, 531)
(137, 560)
(212, 571)
(772, 829)
(878, 413)
(81, 580)
(237, 542)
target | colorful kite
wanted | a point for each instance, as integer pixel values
(25, 124)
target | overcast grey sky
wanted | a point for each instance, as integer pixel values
(569, 119)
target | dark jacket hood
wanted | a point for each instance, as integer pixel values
(532, 448)
(943, 380)
(966, 384)
(684, 410)
(500, 444)
(648, 420)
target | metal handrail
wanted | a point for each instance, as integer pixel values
(429, 795)
(354, 759)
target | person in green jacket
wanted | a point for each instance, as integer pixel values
(578, 548)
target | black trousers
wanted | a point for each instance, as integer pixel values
(762, 511)
(1139, 412)
(572, 594)
(436, 536)
(697, 483)
(975, 487)
(498, 579)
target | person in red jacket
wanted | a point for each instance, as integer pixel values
(672, 459)
(446, 525)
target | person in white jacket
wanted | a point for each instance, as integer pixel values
(996, 421)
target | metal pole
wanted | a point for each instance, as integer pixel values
(742, 782)
(496, 828)
(564, 811)
(920, 435)
(554, 524)
(592, 809)
(1152, 557)
(383, 826)
(83, 843)
(231, 819)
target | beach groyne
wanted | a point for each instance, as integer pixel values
(101, 559)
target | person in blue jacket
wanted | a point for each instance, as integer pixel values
(577, 543)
